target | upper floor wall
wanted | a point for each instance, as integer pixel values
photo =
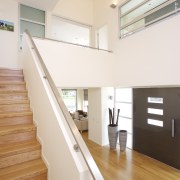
(81, 11)
(149, 57)
(76, 66)
(77, 10)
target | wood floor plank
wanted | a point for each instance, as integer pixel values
(128, 165)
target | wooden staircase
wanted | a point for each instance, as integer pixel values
(20, 152)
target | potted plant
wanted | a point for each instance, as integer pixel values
(113, 128)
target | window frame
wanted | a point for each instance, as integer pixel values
(142, 16)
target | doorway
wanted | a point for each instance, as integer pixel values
(102, 38)
(156, 125)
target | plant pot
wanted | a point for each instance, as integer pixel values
(113, 136)
(122, 139)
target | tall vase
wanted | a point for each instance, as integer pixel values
(122, 139)
(113, 136)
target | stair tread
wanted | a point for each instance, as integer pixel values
(10, 75)
(12, 83)
(20, 147)
(15, 114)
(12, 91)
(10, 69)
(5, 130)
(13, 102)
(26, 169)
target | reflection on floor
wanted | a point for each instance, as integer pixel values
(129, 165)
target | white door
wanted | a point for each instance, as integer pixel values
(102, 38)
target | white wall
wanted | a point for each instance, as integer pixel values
(150, 57)
(95, 115)
(107, 101)
(74, 66)
(9, 40)
(80, 98)
(77, 10)
(98, 117)
(147, 58)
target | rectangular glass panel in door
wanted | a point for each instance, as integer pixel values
(157, 134)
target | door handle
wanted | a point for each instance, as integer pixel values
(172, 128)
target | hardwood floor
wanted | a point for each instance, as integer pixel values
(128, 165)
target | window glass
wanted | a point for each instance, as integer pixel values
(33, 20)
(132, 27)
(32, 14)
(35, 29)
(178, 3)
(124, 95)
(125, 109)
(128, 6)
(160, 13)
(70, 99)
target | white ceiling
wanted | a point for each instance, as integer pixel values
(40, 4)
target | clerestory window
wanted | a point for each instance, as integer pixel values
(138, 14)
(33, 20)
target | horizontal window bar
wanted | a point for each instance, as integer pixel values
(35, 22)
(155, 122)
(125, 117)
(123, 102)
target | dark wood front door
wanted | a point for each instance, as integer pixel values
(156, 123)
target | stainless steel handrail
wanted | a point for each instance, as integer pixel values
(90, 47)
(80, 143)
